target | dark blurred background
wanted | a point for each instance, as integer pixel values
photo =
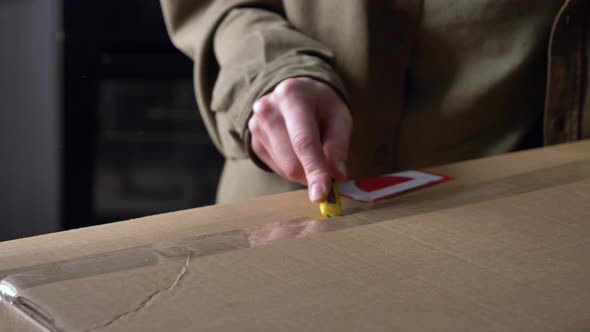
(98, 120)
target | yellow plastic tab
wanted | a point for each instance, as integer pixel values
(331, 207)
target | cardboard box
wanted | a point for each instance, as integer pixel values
(505, 246)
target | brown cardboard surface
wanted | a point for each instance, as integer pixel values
(504, 247)
(98, 239)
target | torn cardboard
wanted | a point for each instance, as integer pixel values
(505, 251)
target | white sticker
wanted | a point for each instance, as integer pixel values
(388, 185)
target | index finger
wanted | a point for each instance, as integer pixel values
(304, 135)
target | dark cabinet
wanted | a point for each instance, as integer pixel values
(133, 141)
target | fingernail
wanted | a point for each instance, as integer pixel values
(342, 168)
(316, 193)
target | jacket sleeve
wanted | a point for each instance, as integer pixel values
(241, 51)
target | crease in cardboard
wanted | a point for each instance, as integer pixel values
(184, 271)
(255, 236)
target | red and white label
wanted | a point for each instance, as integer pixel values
(388, 185)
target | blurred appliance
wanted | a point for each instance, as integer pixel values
(134, 143)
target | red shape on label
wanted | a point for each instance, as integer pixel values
(380, 182)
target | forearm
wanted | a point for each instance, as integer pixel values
(242, 49)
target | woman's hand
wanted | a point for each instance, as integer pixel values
(302, 131)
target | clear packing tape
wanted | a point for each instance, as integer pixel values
(139, 257)
(15, 281)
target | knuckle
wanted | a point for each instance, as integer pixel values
(302, 144)
(268, 122)
(253, 125)
(286, 91)
(262, 106)
(314, 168)
(264, 100)
(291, 87)
(317, 174)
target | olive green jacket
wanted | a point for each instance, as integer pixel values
(243, 48)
